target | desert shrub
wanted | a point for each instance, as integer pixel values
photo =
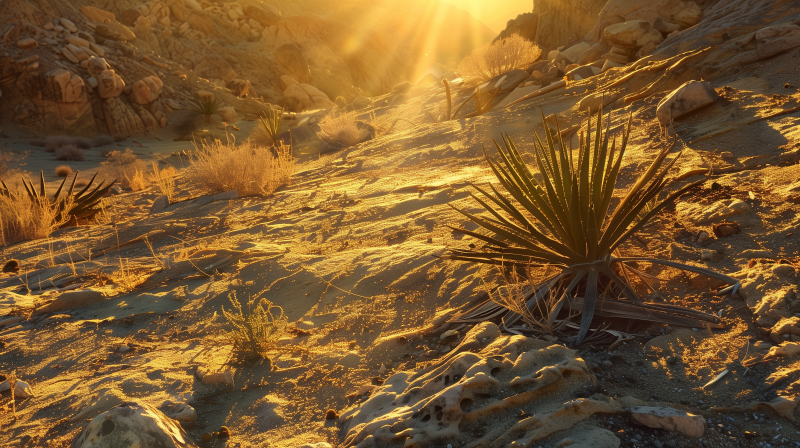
(37, 142)
(136, 180)
(103, 140)
(340, 130)
(82, 142)
(268, 128)
(63, 170)
(164, 180)
(51, 144)
(256, 332)
(249, 169)
(70, 152)
(119, 138)
(497, 58)
(23, 218)
(123, 166)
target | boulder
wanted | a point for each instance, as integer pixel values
(146, 90)
(115, 31)
(228, 114)
(287, 81)
(181, 412)
(592, 54)
(689, 97)
(27, 43)
(159, 204)
(68, 25)
(292, 58)
(686, 14)
(97, 15)
(129, 17)
(239, 87)
(110, 85)
(575, 52)
(213, 66)
(21, 389)
(301, 97)
(133, 424)
(635, 33)
(670, 419)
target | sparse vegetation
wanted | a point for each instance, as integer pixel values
(23, 218)
(103, 140)
(164, 180)
(249, 169)
(206, 106)
(340, 130)
(10, 162)
(70, 152)
(256, 332)
(63, 171)
(124, 166)
(269, 127)
(497, 58)
(562, 220)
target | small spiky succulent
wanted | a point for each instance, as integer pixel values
(206, 106)
(271, 124)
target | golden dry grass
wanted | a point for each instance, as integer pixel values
(164, 180)
(22, 219)
(499, 57)
(247, 168)
(63, 171)
(340, 130)
(125, 168)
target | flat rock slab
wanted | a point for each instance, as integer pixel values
(670, 419)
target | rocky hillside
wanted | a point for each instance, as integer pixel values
(91, 67)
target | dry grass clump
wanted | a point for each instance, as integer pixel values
(70, 152)
(124, 166)
(164, 180)
(497, 58)
(103, 140)
(23, 219)
(9, 163)
(340, 130)
(713, 354)
(255, 333)
(249, 169)
(63, 170)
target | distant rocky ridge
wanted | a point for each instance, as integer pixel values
(90, 67)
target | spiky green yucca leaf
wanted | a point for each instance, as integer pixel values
(206, 106)
(271, 124)
(561, 218)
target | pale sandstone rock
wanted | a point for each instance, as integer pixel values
(21, 389)
(66, 23)
(788, 326)
(670, 419)
(702, 214)
(133, 424)
(213, 66)
(96, 66)
(636, 33)
(115, 31)
(687, 98)
(98, 15)
(574, 52)
(292, 58)
(110, 84)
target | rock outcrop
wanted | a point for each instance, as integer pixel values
(133, 424)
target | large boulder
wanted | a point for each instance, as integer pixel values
(685, 13)
(299, 97)
(213, 66)
(146, 90)
(110, 84)
(555, 23)
(689, 97)
(634, 33)
(115, 31)
(292, 58)
(133, 424)
(98, 15)
(96, 66)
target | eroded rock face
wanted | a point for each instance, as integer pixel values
(132, 424)
(485, 377)
(215, 67)
(292, 58)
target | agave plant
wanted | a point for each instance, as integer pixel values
(80, 205)
(206, 106)
(271, 124)
(564, 220)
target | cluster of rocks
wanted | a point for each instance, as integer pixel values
(252, 20)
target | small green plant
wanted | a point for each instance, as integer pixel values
(206, 106)
(563, 219)
(270, 125)
(255, 333)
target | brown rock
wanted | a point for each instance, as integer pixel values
(292, 58)
(129, 16)
(110, 85)
(27, 43)
(115, 31)
(687, 98)
(96, 66)
(66, 23)
(726, 228)
(68, 55)
(213, 66)
(239, 87)
(98, 15)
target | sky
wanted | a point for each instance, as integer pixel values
(494, 13)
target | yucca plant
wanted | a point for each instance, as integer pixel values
(73, 206)
(564, 221)
(271, 124)
(256, 332)
(206, 106)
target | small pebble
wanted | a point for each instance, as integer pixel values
(224, 432)
(123, 348)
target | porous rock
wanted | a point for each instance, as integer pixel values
(133, 424)
(689, 97)
(671, 419)
(486, 378)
